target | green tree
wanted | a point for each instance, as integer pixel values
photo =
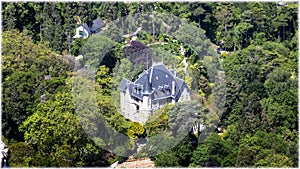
(95, 49)
(224, 16)
(256, 149)
(25, 67)
(275, 160)
(77, 46)
(210, 153)
(22, 155)
(167, 159)
(280, 110)
(55, 132)
(105, 80)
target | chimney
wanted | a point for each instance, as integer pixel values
(173, 88)
(173, 91)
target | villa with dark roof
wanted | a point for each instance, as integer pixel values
(154, 89)
(84, 31)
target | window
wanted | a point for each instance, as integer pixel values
(135, 89)
(82, 33)
(168, 91)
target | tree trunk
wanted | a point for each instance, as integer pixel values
(41, 37)
(70, 40)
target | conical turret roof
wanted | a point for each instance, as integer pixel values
(147, 85)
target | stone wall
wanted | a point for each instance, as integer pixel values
(137, 163)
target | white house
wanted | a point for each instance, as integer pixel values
(84, 31)
(154, 89)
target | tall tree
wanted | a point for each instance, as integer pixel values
(55, 132)
(24, 71)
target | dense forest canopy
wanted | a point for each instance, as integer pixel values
(257, 43)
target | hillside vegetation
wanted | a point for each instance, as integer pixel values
(40, 103)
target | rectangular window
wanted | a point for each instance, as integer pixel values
(81, 33)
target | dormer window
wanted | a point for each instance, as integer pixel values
(155, 94)
(138, 89)
(168, 91)
(166, 86)
(135, 89)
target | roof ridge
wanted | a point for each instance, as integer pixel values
(127, 80)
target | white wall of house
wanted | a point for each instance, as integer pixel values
(81, 32)
(145, 107)
(128, 107)
(158, 104)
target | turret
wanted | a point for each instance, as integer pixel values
(147, 85)
(147, 102)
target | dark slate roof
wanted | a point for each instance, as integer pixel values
(97, 23)
(136, 90)
(85, 26)
(159, 78)
(123, 84)
(147, 85)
